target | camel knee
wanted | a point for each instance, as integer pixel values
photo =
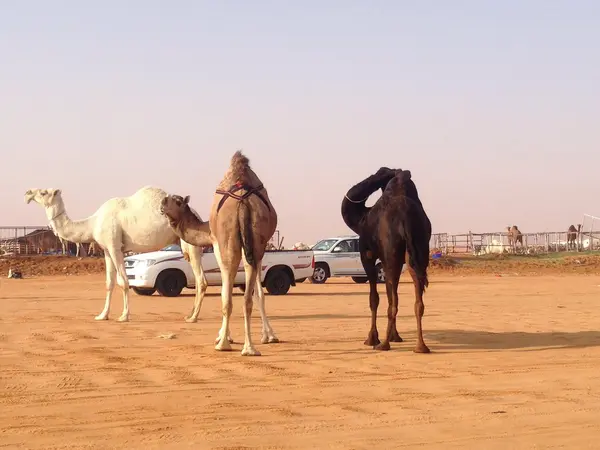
(122, 282)
(392, 313)
(227, 309)
(248, 305)
(203, 284)
(374, 301)
(419, 308)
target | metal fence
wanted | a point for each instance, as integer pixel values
(527, 243)
(30, 240)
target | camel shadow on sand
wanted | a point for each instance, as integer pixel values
(510, 340)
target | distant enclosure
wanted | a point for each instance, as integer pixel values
(588, 239)
(31, 240)
(28, 240)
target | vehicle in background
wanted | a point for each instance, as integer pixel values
(167, 272)
(340, 257)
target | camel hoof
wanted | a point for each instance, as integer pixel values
(101, 317)
(223, 346)
(372, 341)
(250, 351)
(421, 348)
(384, 346)
(269, 340)
(218, 339)
(191, 319)
(396, 338)
(123, 318)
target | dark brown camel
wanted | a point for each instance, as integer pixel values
(572, 236)
(392, 229)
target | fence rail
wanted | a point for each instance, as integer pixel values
(527, 243)
(29, 240)
(32, 240)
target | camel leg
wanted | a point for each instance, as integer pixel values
(392, 277)
(110, 283)
(201, 283)
(419, 311)
(118, 260)
(249, 349)
(268, 335)
(371, 271)
(223, 341)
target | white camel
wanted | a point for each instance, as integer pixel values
(300, 246)
(120, 225)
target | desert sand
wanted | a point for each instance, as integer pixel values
(515, 363)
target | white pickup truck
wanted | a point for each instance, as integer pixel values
(340, 257)
(167, 272)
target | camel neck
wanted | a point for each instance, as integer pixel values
(353, 214)
(193, 231)
(71, 230)
(354, 208)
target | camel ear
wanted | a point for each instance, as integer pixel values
(186, 199)
(54, 192)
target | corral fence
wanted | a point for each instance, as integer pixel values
(29, 240)
(530, 243)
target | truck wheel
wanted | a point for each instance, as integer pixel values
(320, 274)
(143, 291)
(170, 282)
(380, 273)
(360, 280)
(301, 280)
(278, 282)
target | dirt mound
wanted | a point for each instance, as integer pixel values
(522, 265)
(51, 265)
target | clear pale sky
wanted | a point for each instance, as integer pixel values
(493, 105)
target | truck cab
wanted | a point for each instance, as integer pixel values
(340, 257)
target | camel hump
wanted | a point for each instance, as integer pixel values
(239, 163)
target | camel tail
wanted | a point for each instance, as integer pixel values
(418, 255)
(239, 164)
(246, 236)
(418, 233)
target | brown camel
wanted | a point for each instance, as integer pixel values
(572, 236)
(241, 223)
(394, 230)
(514, 236)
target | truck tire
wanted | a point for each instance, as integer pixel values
(360, 280)
(301, 280)
(143, 291)
(320, 274)
(278, 282)
(170, 282)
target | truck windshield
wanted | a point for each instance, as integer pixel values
(324, 245)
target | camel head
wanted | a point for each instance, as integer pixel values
(386, 174)
(45, 197)
(175, 207)
(397, 181)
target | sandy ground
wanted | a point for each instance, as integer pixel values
(515, 364)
